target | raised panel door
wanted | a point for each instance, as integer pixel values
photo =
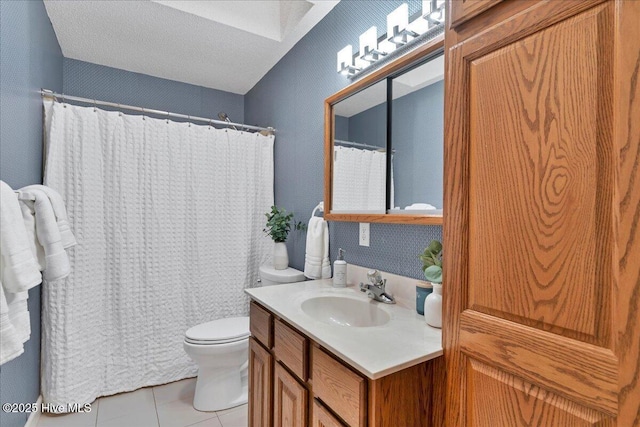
(289, 400)
(534, 150)
(260, 381)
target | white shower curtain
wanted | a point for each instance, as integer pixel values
(168, 218)
(359, 180)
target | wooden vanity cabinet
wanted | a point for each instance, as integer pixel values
(295, 382)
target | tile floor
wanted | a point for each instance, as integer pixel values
(168, 405)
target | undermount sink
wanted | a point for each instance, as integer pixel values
(345, 311)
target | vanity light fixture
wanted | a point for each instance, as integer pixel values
(346, 64)
(401, 36)
(397, 22)
(369, 46)
(433, 11)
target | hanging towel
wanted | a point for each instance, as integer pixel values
(10, 343)
(20, 271)
(60, 212)
(56, 262)
(316, 264)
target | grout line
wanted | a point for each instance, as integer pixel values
(97, 410)
(155, 406)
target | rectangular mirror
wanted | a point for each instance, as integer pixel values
(417, 139)
(397, 109)
(359, 152)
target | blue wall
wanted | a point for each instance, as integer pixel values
(291, 98)
(125, 87)
(30, 59)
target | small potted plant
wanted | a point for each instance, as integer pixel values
(279, 223)
(432, 267)
(432, 262)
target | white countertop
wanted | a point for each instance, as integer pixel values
(376, 351)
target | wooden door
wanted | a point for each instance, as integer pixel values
(260, 377)
(541, 236)
(289, 400)
(463, 10)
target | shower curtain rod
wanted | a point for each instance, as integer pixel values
(358, 144)
(57, 96)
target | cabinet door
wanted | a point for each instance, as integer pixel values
(323, 418)
(542, 194)
(289, 400)
(260, 374)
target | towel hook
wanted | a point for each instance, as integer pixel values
(320, 208)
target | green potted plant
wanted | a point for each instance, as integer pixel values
(279, 223)
(432, 267)
(432, 262)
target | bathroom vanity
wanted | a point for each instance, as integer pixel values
(314, 361)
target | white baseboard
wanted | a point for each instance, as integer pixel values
(34, 417)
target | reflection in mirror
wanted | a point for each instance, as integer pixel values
(359, 152)
(417, 139)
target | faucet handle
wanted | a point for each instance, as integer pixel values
(374, 276)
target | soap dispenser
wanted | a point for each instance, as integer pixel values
(340, 271)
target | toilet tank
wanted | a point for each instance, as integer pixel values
(270, 276)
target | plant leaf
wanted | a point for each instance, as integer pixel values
(433, 274)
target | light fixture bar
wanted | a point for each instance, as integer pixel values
(401, 35)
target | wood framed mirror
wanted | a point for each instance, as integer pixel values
(384, 143)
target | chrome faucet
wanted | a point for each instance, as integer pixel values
(375, 288)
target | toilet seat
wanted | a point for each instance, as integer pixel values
(221, 331)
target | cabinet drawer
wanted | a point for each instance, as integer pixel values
(338, 387)
(260, 324)
(322, 417)
(290, 348)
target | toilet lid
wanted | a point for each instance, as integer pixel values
(221, 330)
(288, 275)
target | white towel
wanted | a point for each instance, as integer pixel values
(316, 264)
(60, 212)
(10, 343)
(420, 207)
(18, 273)
(19, 270)
(56, 265)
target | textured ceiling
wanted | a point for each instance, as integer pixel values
(225, 45)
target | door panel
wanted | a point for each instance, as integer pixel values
(575, 369)
(534, 157)
(550, 210)
(289, 400)
(260, 369)
(501, 399)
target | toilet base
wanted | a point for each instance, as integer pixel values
(218, 389)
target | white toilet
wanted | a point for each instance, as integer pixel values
(221, 350)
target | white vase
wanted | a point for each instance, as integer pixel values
(433, 306)
(280, 256)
